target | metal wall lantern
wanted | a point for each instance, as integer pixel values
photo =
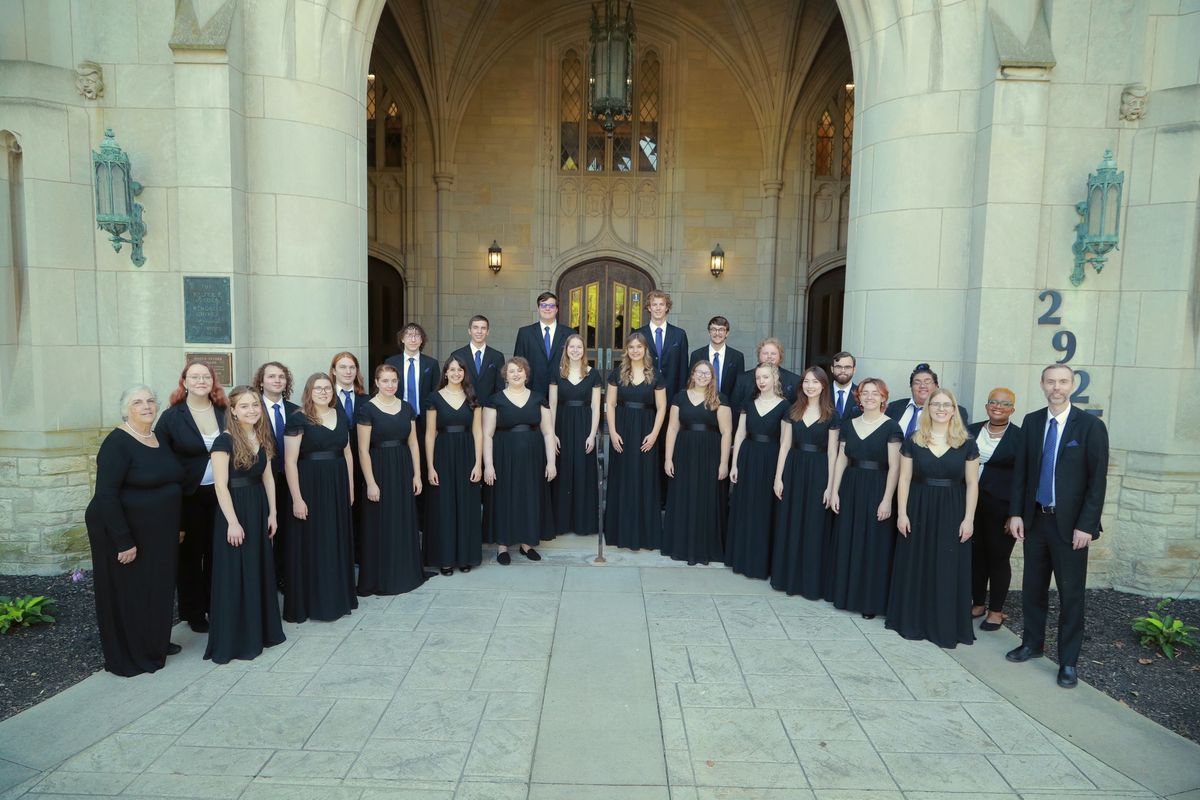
(495, 257)
(716, 261)
(610, 80)
(1099, 229)
(116, 211)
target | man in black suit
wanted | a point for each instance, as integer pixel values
(273, 382)
(770, 351)
(483, 363)
(541, 344)
(1059, 480)
(418, 380)
(668, 343)
(907, 410)
(727, 362)
(843, 388)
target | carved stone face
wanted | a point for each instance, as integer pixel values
(1133, 102)
(89, 80)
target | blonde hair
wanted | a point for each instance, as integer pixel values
(1007, 391)
(711, 401)
(956, 434)
(626, 373)
(244, 454)
(564, 364)
(776, 386)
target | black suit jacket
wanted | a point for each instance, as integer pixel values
(288, 408)
(733, 364)
(895, 410)
(672, 370)
(997, 479)
(489, 381)
(428, 373)
(789, 382)
(530, 347)
(178, 431)
(851, 409)
(1080, 472)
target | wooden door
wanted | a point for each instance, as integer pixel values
(604, 300)
(826, 297)
(385, 313)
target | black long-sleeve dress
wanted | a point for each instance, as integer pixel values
(521, 512)
(692, 525)
(802, 556)
(863, 544)
(136, 505)
(632, 515)
(390, 559)
(244, 616)
(930, 596)
(575, 490)
(320, 555)
(752, 502)
(454, 538)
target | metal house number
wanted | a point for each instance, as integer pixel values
(1065, 343)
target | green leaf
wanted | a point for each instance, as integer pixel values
(1168, 651)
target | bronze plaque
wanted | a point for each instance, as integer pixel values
(221, 364)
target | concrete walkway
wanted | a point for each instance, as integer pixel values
(640, 680)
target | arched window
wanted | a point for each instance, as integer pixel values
(634, 143)
(385, 131)
(570, 111)
(834, 142)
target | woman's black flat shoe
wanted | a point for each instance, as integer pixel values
(447, 571)
(464, 569)
(531, 554)
(173, 649)
(504, 559)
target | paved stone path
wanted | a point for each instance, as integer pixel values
(641, 680)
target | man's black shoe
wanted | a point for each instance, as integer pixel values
(1067, 677)
(1024, 653)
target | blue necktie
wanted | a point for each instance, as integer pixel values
(841, 402)
(1045, 492)
(658, 341)
(348, 403)
(411, 381)
(912, 421)
(717, 370)
(546, 341)
(478, 361)
(278, 433)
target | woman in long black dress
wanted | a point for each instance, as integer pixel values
(752, 503)
(454, 457)
(864, 485)
(697, 460)
(518, 461)
(575, 414)
(637, 408)
(244, 616)
(320, 556)
(939, 487)
(133, 530)
(188, 428)
(999, 441)
(390, 555)
(802, 556)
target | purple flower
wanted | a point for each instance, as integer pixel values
(77, 575)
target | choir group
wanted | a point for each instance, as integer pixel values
(824, 488)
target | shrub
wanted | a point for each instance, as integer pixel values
(1164, 631)
(24, 611)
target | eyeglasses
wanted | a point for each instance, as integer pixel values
(1000, 403)
(322, 389)
(547, 306)
(717, 329)
(942, 406)
(924, 382)
(836, 368)
(199, 378)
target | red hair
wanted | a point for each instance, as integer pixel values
(217, 395)
(879, 384)
(358, 381)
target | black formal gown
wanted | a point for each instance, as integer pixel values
(692, 525)
(391, 544)
(802, 556)
(750, 534)
(632, 515)
(931, 578)
(521, 512)
(454, 538)
(320, 555)
(244, 614)
(136, 505)
(863, 544)
(576, 489)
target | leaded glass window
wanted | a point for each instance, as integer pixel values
(570, 112)
(649, 75)
(370, 121)
(847, 130)
(824, 147)
(385, 126)
(634, 144)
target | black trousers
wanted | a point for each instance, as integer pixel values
(990, 565)
(193, 579)
(1047, 554)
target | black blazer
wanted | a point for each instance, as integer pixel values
(672, 370)
(178, 431)
(895, 410)
(428, 373)
(851, 409)
(288, 408)
(997, 478)
(789, 382)
(487, 382)
(530, 347)
(1080, 472)
(732, 366)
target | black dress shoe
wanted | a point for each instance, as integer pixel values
(447, 571)
(464, 569)
(504, 559)
(1067, 677)
(199, 626)
(868, 616)
(1024, 653)
(173, 649)
(531, 554)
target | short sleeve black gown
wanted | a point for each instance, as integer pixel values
(863, 544)
(931, 578)
(632, 513)
(752, 501)
(521, 511)
(320, 555)
(692, 524)
(390, 560)
(136, 504)
(244, 615)
(454, 538)
(802, 556)
(575, 490)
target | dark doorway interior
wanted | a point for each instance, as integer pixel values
(824, 335)
(385, 312)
